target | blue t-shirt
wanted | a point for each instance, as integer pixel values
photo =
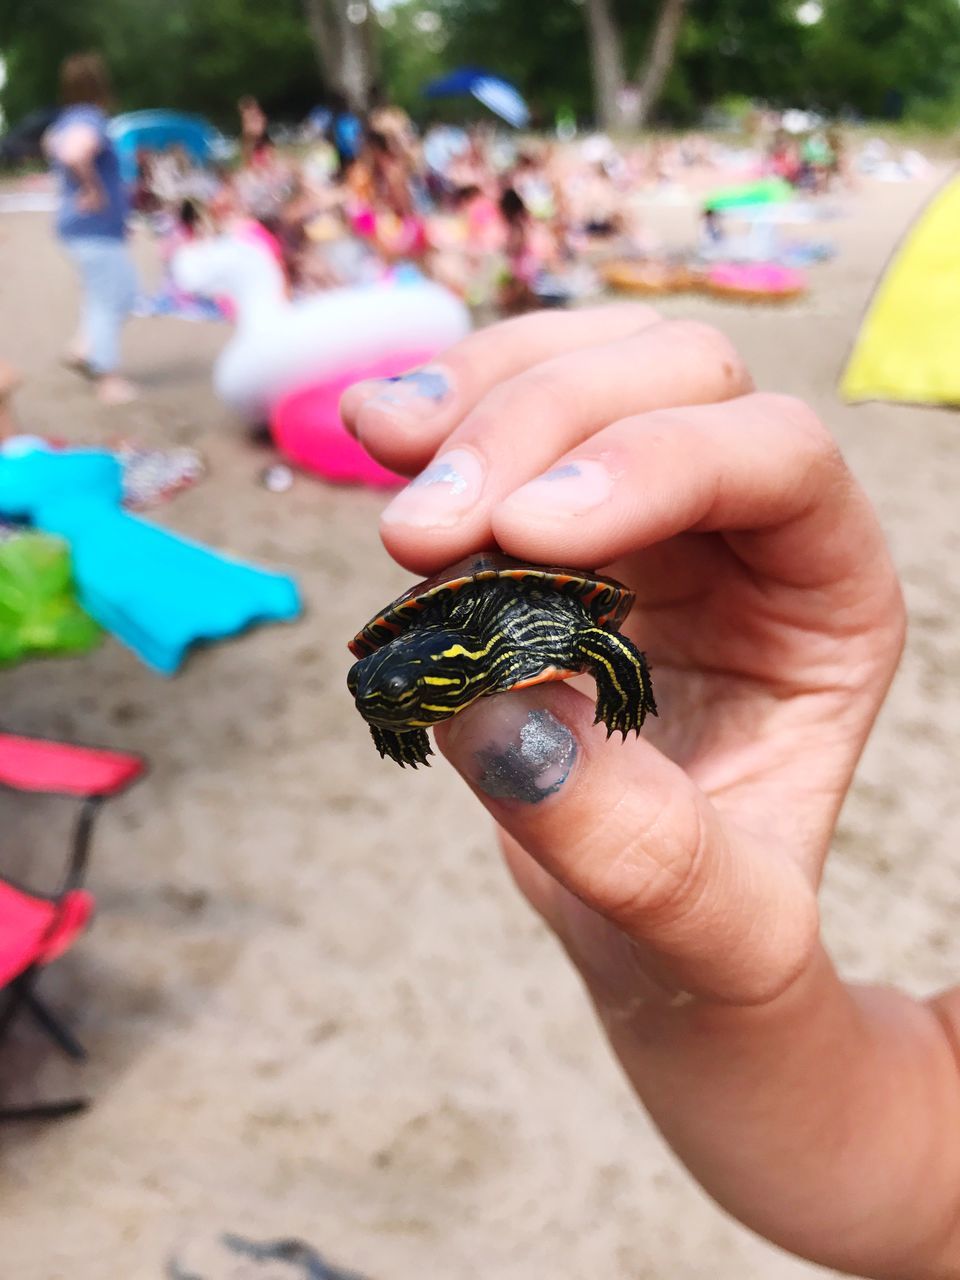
(110, 220)
(347, 135)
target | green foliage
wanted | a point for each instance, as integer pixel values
(871, 57)
(410, 57)
(942, 115)
(878, 57)
(864, 56)
(196, 55)
(733, 47)
(34, 36)
(727, 47)
(538, 44)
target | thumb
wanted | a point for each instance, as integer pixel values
(625, 830)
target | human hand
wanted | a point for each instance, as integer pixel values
(90, 197)
(680, 869)
(767, 605)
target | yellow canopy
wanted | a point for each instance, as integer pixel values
(908, 348)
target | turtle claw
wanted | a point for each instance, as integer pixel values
(624, 695)
(609, 720)
(410, 748)
(624, 718)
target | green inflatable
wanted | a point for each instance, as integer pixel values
(750, 194)
(39, 613)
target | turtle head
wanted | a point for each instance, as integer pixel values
(420, 678)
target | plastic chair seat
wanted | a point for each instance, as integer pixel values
(34, 931)
(32, 764)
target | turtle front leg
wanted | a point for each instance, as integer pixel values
(410, 747)
(624, 691)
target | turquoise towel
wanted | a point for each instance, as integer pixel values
(157, 592)
(39, 476)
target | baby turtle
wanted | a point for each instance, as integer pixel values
(487, 625)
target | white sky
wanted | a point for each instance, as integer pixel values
(809, 13)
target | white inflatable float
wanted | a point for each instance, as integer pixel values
(324, 340)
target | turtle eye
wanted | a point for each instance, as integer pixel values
(397, 685)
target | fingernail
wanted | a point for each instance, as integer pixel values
(511, 751)
(419, 393)
(569, 489)
(441, 494)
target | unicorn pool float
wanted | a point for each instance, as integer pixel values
(289, 361)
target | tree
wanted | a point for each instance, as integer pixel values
(191, 55)
(729, 48)
(877, 57)
(606, 62)
(35, 36)
(412, 47)
(662, 59)
(619, 104)
(343, 37)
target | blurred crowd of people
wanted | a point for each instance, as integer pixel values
(506, 221)
(361, 199)
(504, 224)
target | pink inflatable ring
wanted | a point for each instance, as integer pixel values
(308, 430)
(755, 282)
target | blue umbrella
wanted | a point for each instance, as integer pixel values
(159, 129)
(496, 94)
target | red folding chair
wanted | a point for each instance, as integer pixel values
(36, 928)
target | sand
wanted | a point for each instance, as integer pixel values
(314, 1004)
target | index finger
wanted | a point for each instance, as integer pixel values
(403, 420)
(521, 426)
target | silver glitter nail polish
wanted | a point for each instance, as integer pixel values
(535, 767)
(569, 471)
(440, 473)
(425, 384)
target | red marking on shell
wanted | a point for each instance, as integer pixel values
(544, 677)
(486, 567)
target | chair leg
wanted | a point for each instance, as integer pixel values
(21, 998)
(54, 1028)
(76, 871)
(45, 1110)
(12, 1006)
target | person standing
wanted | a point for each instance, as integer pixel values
(92, 222)
(253, 128)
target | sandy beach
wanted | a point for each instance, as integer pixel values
(314, 1004)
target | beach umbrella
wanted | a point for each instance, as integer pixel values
(158, 129)
(495, 93)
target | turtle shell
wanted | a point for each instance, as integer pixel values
(607, 601)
